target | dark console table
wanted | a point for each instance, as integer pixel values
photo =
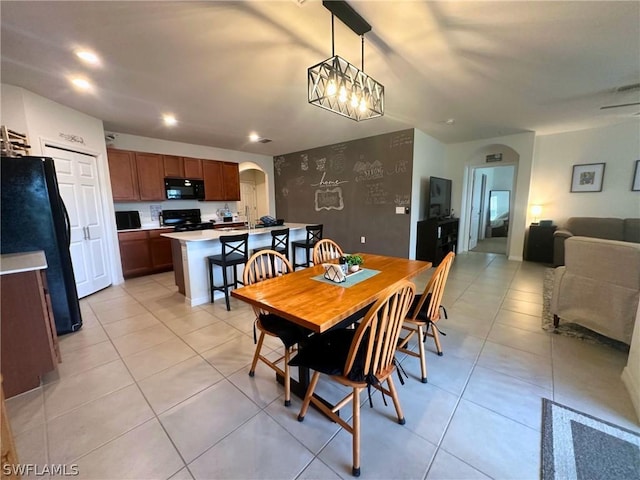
(539, 244)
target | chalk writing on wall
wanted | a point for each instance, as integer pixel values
(403, 138)
(399, 167)
(368, 170)
(279, 163)
(403, 200)
(328, 183)
(304, 162)
(320, 164)
(329, 199)
(376, 194)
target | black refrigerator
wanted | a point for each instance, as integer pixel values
(33, 217)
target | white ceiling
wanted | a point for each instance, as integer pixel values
(228, 68)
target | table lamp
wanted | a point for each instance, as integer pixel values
(536, 211)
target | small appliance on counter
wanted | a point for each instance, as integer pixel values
(127, 220)
(184, 220)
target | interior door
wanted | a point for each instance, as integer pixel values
(479, 180)
(248, 199)
(80, 190)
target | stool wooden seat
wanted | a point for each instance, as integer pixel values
(234, 253)
(314, 234)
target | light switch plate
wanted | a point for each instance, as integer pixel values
(400, 210)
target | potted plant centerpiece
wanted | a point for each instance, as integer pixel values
(354, 262)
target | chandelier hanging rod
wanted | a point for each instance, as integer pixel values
(347, 15)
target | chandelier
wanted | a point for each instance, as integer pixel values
(339, 86)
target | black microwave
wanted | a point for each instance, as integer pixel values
(183, 189)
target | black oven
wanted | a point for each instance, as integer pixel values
(183, 189)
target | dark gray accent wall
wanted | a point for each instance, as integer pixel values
(353, 189)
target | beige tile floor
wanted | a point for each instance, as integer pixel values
(150, 388)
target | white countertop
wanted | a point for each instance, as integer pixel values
(22, 262)
(215, 234)
(155, 226)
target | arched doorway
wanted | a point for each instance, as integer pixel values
(254, 196)
(484, 176)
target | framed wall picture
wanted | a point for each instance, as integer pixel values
(635, 186)
(587, 178)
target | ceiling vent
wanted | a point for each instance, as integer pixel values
(264, 140)
(625, 96)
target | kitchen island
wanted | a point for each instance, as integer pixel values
(191, 249)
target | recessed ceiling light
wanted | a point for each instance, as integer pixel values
(254, 137)
(81, 83)
(450, 121)
(169, 120)
(88, 57)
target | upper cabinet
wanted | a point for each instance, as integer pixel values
(231, 181)
(182, 167)
(173, 166)
(139, 176)
(192, 168)
(123, 173)
(221, 180)
(150, 169)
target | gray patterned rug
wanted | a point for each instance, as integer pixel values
(571, 329)
(578, 446)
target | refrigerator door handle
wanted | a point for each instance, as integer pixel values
(88, 232)
(67, 222)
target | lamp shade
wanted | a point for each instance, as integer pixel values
(536, 210)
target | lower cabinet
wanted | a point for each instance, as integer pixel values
(145, 252)
(29, 343)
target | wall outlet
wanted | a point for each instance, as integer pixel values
(400, 210)
(363, 240)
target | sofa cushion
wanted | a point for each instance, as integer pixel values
(609, 228)
(632, 230)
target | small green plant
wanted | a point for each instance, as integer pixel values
(354, 260)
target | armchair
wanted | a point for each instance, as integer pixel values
(599, 286)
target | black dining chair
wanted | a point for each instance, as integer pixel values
(279, 242)
(314, 235)
(234, 253)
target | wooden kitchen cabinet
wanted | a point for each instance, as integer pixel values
(145, 252)
(192, 168)
(135, 253)
(29, 343)
(150, 169)
(161, 257)
(213, 182)
(123, 174)
(221, 180)
(173, 166)
(231, 181)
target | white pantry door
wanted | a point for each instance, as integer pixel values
(80, 190)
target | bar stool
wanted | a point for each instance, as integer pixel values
(234, 253)
(279, 242)
(314, 234)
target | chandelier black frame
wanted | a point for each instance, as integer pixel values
(339, 86)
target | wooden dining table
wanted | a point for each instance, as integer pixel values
(319, 305)
(306, 299)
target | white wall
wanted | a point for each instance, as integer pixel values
(618, 146)
(46, 121)
(154, 145)
(516, 150)
(428, 160)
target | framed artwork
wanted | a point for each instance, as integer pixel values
(635, 186)
(587, 178)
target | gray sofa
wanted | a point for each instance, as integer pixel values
(621, 229)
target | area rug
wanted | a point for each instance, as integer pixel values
(570, 329)
(578, 446)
